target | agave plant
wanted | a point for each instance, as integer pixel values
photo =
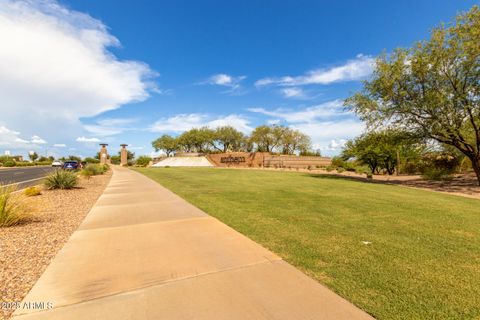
(61, 179)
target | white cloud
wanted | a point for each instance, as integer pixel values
(136, 148)
(225, 80)
(293, 92)
(88, 140)
(334, 145)
(112, 122)
(273, 121)
(323, 132)
(12, 139)
(327, 124)
(37, 140)
(60, 145)
(354, 69)
(56, 67)
(110, 126)
(183, 122)
(324, 110)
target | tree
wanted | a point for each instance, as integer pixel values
(228, 138)
(431, 89)
(91, 160)
(33, 156)
(266, 138)
(130, 155)
(115, 159)
(143, 161)
(166, 143)
(379, 150)
(293, 140)
(196, 139)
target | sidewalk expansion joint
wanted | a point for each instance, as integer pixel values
(144, 223)
(160, 284)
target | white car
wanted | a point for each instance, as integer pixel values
(57, 164)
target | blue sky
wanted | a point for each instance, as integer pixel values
(77, 72)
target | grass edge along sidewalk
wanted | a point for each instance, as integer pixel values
(395, 252)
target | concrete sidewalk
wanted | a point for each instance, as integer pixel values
(145, 253)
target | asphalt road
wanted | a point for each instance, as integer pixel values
(23, 177)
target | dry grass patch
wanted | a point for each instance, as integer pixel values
(12, 212)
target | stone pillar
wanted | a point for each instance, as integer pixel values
(103, 153)
(123, 155)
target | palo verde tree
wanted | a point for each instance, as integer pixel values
(196, 140)
(283, 139)
(431, 89)
(228, 138)
(380, 149)
(266, 138)
(293, 140)
(166, 143)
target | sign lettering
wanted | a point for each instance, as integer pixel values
(231, 159)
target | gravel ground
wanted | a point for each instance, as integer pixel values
(26, 250)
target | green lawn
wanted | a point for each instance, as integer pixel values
(424, 258)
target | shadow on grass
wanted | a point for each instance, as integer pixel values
(334, 176)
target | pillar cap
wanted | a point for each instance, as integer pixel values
(103, 144)
(123, 145)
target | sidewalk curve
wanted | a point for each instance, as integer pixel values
(145, 253)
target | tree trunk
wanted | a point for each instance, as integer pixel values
(476, 167)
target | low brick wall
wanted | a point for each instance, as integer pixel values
(264, 159)
(237, 159)
(296, 161)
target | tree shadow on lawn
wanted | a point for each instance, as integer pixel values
(333, 176)
(463, 185)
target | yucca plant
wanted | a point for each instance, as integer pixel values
(61, 179)
(10, 209)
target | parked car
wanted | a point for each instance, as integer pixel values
(57, 164)
(71, 165)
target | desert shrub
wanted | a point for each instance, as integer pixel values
(91, 160)
(43, 163)
(362, 170)
(9, 163)
(94, 169)
(329, 168)
(32, 191)
(143, 161)
(10, 209)
(86, 173)
(337, 162)
(5, 158)
(438, 166)
(61, 179)
(369, 175)
(24, 164)
(437, 174)
(340, 170)
(115, 159)
(410, 168)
